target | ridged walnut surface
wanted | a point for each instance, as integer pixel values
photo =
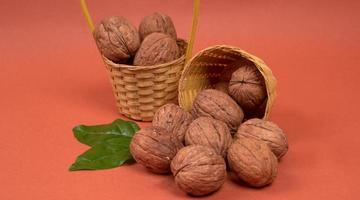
(220, 106)
(174, 119)
(156, 48)
(154, 148)
(252, 161)
(117, 39)
(198, 170)
(266, 131)
(157, 22)
(247, 88)
(209, 132)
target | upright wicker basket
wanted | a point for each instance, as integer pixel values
(216, 64)
(140, 90)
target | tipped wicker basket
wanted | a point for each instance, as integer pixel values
(216, 64)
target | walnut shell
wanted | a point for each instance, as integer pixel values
(247, 87)
(174, 119)
(220, 106)
(267, 132)
(209, 132)
(198, 170)
(154, 148)
(252, 161)
(157, 22)
(117, 39)
(157, 48)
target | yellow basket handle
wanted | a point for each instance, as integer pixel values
(87, 16)
(190, 46)
(193, 30)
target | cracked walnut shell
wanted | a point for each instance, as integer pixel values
(174, 119)
(267, 132)
(209, 132)
(157, 22)
(252, 161)
(117, 39)
(157, 48)
(247, 87)
(220, 106)
(154, 148)
(198, 170)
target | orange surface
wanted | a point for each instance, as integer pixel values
(52, 78)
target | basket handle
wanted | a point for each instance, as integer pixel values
(194, 25)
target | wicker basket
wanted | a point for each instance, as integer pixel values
(141, 90)
(216, 64)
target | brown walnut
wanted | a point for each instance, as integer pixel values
(247, 87)
(154, 148)
(209, 132)
(198, 170)
(117, 39)
(220, 106)
(157, 48)
(157, 22)
(265, 131)
(174, 119)
(252, 161)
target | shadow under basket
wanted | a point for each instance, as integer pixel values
(216, 64)
(140, 90)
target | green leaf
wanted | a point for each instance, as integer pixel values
(91, 135)
(108, 153)
(109, 145)
(126, 128)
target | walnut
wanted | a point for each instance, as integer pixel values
(157, 48)
(252, 161)
(117, 39)
(209, 132)
(198, 170)
(220, 106)
(222, 86)
(157, 22)
(265, 131)
(247, 87)
(174, 119)
(154, 148)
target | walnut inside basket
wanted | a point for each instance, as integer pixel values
(216, 64)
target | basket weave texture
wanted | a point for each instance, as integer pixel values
(216, 64)
(140, 90)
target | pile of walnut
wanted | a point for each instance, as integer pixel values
(198, 146)
(155, 42)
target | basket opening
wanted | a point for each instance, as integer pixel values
(209, 68)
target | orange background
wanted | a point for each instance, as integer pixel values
(52, 78)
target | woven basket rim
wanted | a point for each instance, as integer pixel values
(222, 46)
(138, 68)
(199, 53)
